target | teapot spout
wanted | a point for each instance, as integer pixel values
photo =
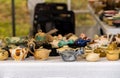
(79, 52)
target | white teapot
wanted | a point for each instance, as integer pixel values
(93, 57)
(18, 53)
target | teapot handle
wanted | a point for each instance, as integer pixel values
(30, 51)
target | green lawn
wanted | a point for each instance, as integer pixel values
(23, 17)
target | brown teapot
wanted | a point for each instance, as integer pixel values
(41, 54)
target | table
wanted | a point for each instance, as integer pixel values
(106, 28)
(54, 67)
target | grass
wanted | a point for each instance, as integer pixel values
(23, 17)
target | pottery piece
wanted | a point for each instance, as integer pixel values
(15, 40)
(31, 45)
(113, 55)
(44, 37)
(101, 51)
(63, 49)
(82, 40)
(92, 57)
(55, 43)
(3, 54)
(73, 37)
(18, 53)
(40, 36)
(41, 54)
(69, 55)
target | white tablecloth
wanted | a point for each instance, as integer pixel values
(56, 68)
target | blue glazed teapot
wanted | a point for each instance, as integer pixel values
(82, 41)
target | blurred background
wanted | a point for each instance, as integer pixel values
(83, 19)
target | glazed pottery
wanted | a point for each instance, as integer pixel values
(40, 36)
(92, 57)
(54, 43)
(68, 56)
(15, 40)
(101, 51)
(3, 54)
(18, 53)
(113, 55)
(41, 54)
(73, 37)
(81, 42)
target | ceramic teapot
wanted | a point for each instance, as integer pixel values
(101, 51)
(82, 40)
(68, 54)
(113, 55)
(19, 53)
(3, 54)
(93, 57)
(41, 54)
(44, 37)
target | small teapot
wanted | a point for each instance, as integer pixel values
(69, 55)
(93, 57)
(41, 54)
(3, 54)
(18, 53)
(113, 55)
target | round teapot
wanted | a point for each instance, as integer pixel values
(41, 54)
(113, 55)
(3, 54)
(92, 57)
(18, 53)
(69, 55)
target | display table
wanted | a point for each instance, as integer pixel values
(56, 68)
(106, 28)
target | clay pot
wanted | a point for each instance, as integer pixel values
(92, 57)
(41, 54)
(18, 53)
(3, 54)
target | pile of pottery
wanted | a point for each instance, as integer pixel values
(42, 44)
(107, 10)
(69, 47)
(104, 47)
